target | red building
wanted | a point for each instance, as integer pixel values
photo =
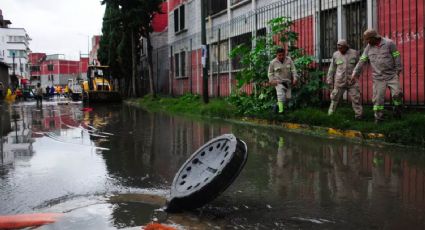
(54, 69)
(235, 22)
(160, 21)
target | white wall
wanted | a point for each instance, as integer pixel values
(6, 45)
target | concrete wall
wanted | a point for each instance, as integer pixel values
(8, 44)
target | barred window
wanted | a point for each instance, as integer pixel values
(220, 56)
(355, 23)
(239, 40)
(180, 64)
(329, 32)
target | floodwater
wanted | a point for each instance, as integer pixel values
(111, 168)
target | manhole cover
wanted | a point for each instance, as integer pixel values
(207, 173)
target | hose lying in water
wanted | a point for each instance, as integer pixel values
(28, 220)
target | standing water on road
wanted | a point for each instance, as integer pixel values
(111, 168)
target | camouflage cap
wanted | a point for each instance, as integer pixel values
(371, 33)
(342, 42)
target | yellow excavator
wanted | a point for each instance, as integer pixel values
(98, 87)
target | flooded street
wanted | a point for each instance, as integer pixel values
(111, 168)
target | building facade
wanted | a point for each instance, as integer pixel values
(52, 70)
(14, 49)
(160, 54)
(95, 40)
(319, 24)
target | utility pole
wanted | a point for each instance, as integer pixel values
(14, 85)
(204, 54)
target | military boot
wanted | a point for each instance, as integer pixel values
(281, 107)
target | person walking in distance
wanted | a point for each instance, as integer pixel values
(282, 74)
(339, 78)
(39, 94)
(384, 58)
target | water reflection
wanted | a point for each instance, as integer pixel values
(59, 158)
(289, 180)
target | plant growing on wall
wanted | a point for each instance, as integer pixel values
(255, 60)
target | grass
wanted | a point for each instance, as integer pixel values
(410, 130)
(189, 105)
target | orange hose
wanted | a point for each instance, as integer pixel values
(27, 220)
(158, 226)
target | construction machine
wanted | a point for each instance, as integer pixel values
(98, 87)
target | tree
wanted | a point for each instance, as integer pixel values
(134, 17)
(111, 36)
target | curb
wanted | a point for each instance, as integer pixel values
(351, 134)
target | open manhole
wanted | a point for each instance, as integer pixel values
(207, 173)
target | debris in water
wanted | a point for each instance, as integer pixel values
(207, 173)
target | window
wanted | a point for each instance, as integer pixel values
(239, 40)
(355, 23)
(216, 6)
(18, 53)
(35, 78)
(35, 68)
(16, 39)
(50, 67)
(179, 19)
(329, 32)
(13, 53)
(180, 64)
(182, 15)
(176, 20)
(177, 64)
(220, 56)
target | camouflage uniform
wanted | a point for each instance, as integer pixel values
(339, 73)
(386, 66)
(283, 72)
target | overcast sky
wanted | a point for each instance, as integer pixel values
(56, 26)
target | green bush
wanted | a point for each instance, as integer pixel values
(255, 62)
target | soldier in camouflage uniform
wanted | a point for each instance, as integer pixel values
(384, 58)
(343, 62)
(282, 74)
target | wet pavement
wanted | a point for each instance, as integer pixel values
(111, 168)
